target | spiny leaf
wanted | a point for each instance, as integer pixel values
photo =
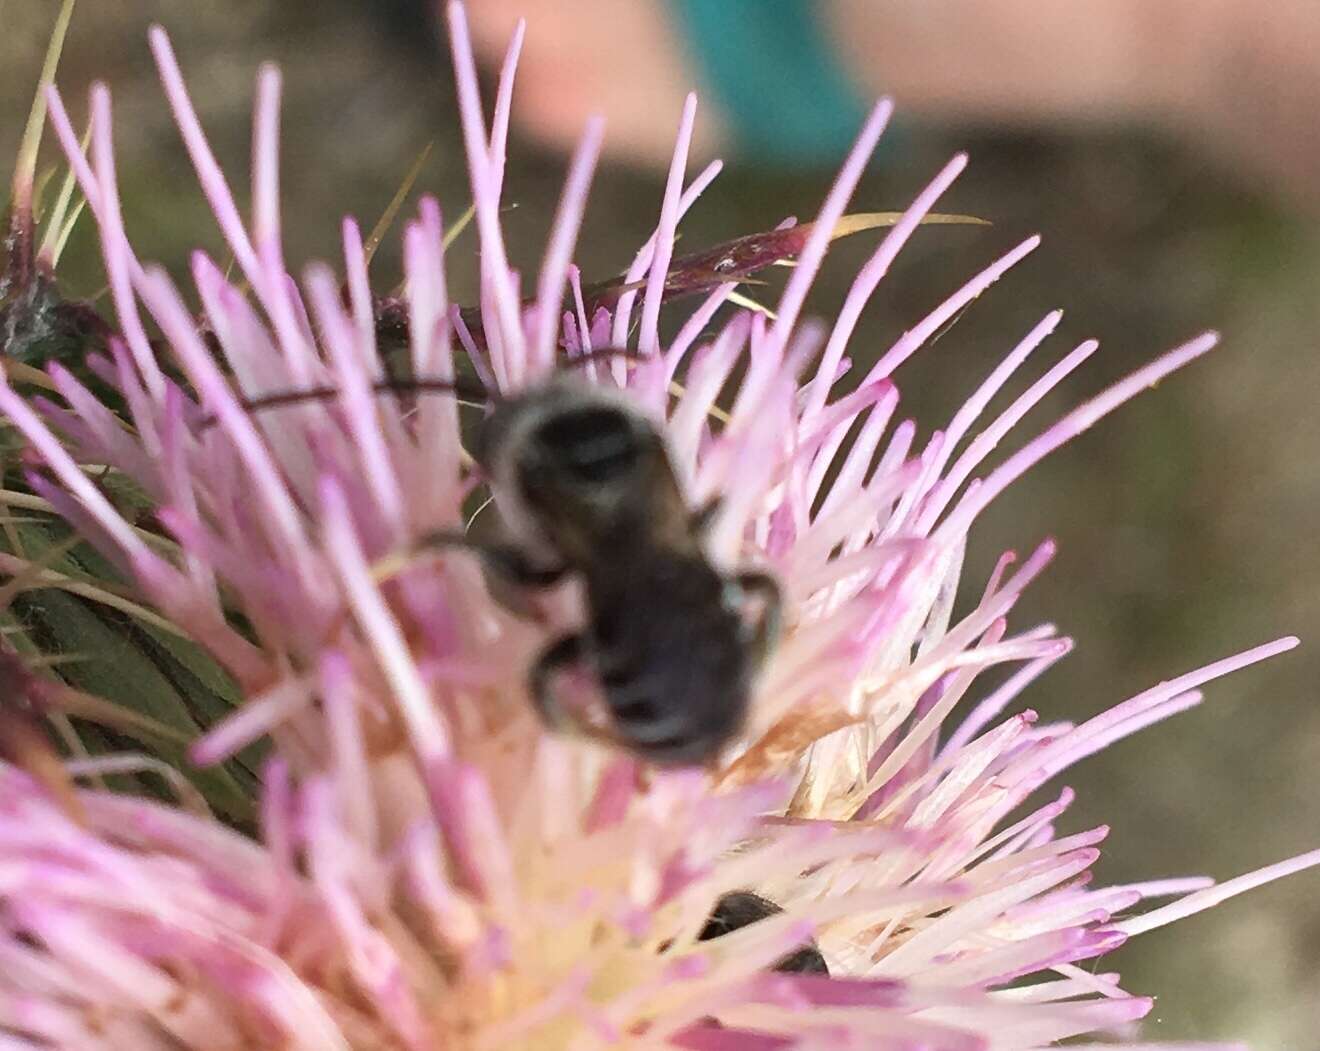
(737, 261)
(746, 256)
(38, 324)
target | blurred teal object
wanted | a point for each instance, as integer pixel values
(771, 66)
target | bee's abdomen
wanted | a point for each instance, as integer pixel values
(670, 659)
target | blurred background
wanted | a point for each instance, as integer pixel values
(1186, 523)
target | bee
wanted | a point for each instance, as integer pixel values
(738, 909)
(585, 489)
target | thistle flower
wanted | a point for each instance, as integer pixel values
(434, 869)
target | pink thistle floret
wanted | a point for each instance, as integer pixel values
(435, 869)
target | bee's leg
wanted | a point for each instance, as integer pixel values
(505, 560)
(763, 630)
(701, 518)
(564, 653)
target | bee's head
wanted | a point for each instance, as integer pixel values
(580, 434)
(588, 466)
(582, 461)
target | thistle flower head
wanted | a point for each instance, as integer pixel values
(434, 868)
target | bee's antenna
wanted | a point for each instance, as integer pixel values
(402, 385)
(602, 354)
(467, 393)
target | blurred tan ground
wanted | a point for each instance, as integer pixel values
(1186, 523)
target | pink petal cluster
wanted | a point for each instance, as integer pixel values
(434, 869)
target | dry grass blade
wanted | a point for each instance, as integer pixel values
(98, 592)
(26, 166)
(396, 202)
(748, 303)
(17, 371)
(859, 221)
(460, 224)
(63, 217)
(29, 573)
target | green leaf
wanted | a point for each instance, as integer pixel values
(138, 666)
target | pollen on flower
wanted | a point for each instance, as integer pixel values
(434, 867)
